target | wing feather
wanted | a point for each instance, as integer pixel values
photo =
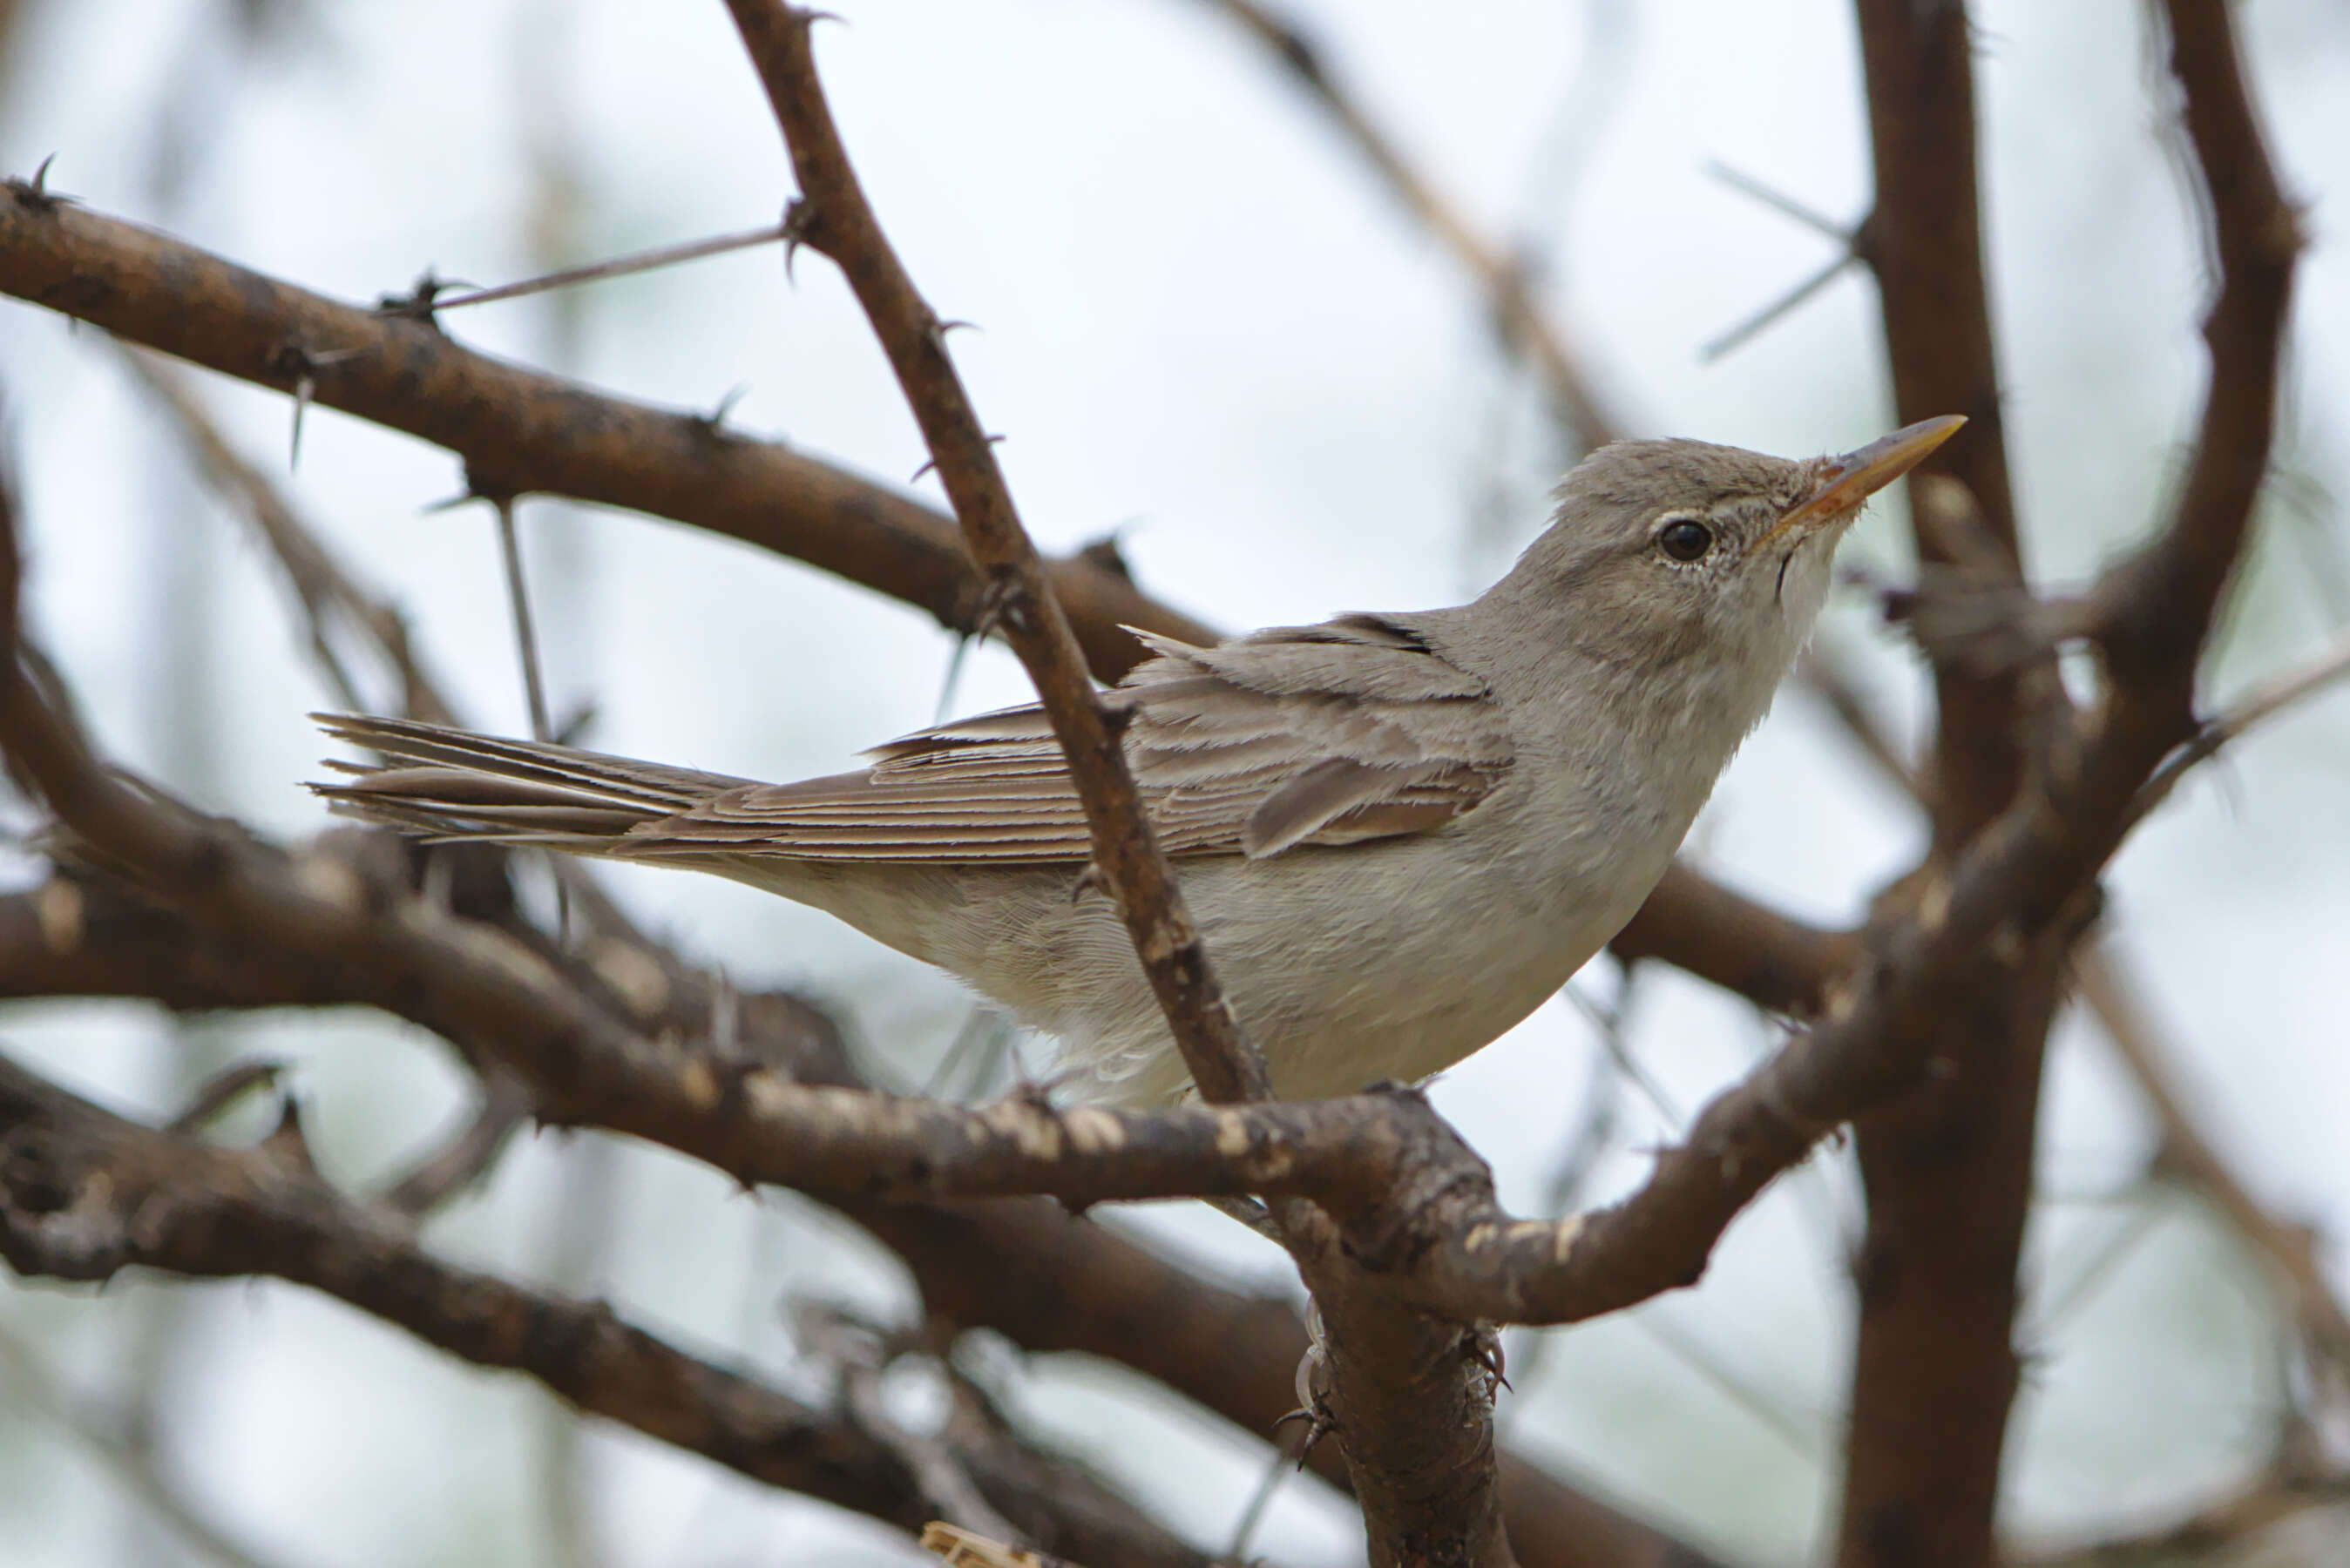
(1356, 730)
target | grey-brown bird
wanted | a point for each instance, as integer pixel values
(1398, 834)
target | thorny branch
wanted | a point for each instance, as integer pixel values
(1025, 1270)
(1416, 1205)
(85, 1194)
(833, 217)
(520, 432)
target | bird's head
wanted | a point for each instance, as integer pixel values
(1668, 552)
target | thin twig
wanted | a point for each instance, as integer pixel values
(1526, 329)
(596, 272)
(325, 589)
(2186, 1150)
(2265, 700)
(470, 1152)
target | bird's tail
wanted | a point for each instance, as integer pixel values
(445, 784)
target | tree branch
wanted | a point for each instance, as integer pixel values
(1526, 331)
(520, 432)
(85, 1194)
(832, 216)
(1948, 1172)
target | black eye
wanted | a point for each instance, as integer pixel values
(1685, 539)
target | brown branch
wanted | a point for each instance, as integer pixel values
(1926, 253)
(1779, 964)
(1416, 1414)
(2153, 614)
(2329, 665)
(2187, 1152)
(1948, 1172)
(520, 431)
(85, 1194)
(1024, 1269)
(832, 216)
(1526, 331)
(468, 1155)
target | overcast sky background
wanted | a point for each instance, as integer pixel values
(1206, 329)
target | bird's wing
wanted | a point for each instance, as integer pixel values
(1339, 733)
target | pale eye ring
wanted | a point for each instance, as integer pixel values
(1685, 539)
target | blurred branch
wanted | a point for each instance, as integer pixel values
(85, 1194)
(469, 1154)
(327, 592)
(2243, 1530)
(618, 266)
(1526, 331)
(2187, 1153)
(2271, 698)
(1948, 1174)
(126, 1459)
(1947, 1171)
(1025, 1269)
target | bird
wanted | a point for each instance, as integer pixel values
(1398, 834)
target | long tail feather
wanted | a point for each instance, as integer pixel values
(445, 784)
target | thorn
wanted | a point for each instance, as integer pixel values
(938, 329)
(35, 195)
(929, 464)
(1318, 1425)
(1107, 554)
(420, 301)
(1483, 1345)
(1785, 305)
(287, 1142)
(1781, 203)
(302, 365)
(714, 422)
(221, 1090)
(954, 677)
(1089, 880)
(304, 386)
(798, 227)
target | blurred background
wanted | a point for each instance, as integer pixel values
(1207, 330)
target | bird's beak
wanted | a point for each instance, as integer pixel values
(1846, 482)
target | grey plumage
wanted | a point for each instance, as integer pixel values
(1398, 833)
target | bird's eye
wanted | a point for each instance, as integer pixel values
(1685, 539)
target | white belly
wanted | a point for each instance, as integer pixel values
(1391, 961)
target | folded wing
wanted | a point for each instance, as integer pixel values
(1351, 730)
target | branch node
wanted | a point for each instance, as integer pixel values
(418, 304)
